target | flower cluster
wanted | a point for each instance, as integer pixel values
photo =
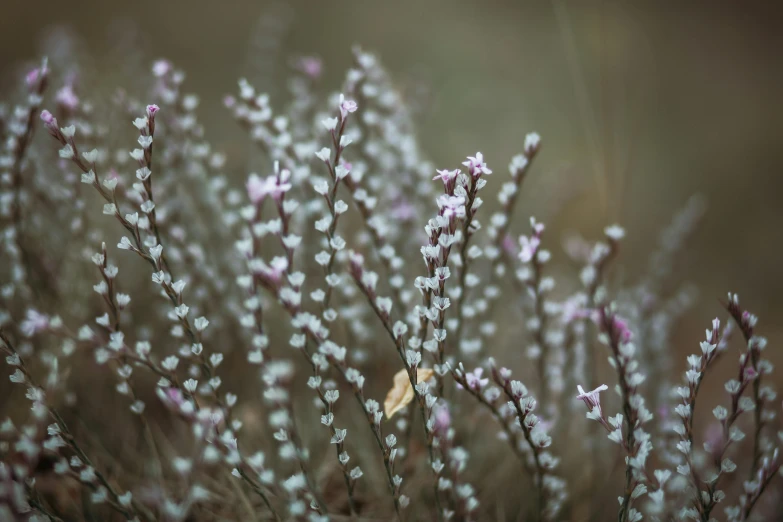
(317, 336)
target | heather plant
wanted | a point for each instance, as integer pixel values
(348, 333)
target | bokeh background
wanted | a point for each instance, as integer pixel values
(640, 105)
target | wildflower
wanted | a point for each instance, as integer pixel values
(476, 165)
(528, 247)
(592, 399)
(452, 206)
(346, 106)
(258, 189)
(447, 176)
(474, 380)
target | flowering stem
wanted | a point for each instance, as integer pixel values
(746, 322)
(522, 415)
(133, 509)
(609, 325)
(356, 273)
(464, 259)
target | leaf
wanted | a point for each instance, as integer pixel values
(401, 393)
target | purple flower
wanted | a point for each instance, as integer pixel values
(442, 418)
(347, 106)
(452, 206)
(446, 175)
(48, 118)
(528, 247)
(67, 97)
(574, 308)
(621, 327)
(258, 189)
(476, 165)
(33, 76)
(474, 380)
(310, 66)
(591, 398)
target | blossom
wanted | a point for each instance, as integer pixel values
(476, 165)
(346, 106)
(274, 271)
(575, 308)
(614, 232)
(32, 77)
(474, 380)
(161, 68)
(258, 189)
(442, 418)
(67, 98)
(591, 399)
(528, 247)
(446, 175)
(621, 327)
(47, 117)
(34, 322)
(310, 66)
(452, 206)
(532, 142)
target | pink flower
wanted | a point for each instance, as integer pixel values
(32, 77)
(275, 271)
(574, 308)
(591, 399)
(174, 395)
(452, 206)
(48, 118)
(442, 419)
(476, 165)
(347, 106)
(67, 98)
(34, 322)
(528, 247)
(621, 327)
(311, 66)
(446, 175)
(272, 273)
(258, 189)
(474, 380)
(152, 110)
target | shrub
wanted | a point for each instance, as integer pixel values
(326, 341)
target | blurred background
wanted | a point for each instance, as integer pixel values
(639, 106)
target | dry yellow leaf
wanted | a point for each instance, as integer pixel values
(401, 393)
